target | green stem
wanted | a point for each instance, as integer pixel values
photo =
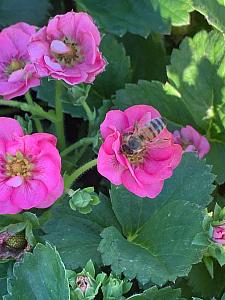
(78, 172)
(34, 109)
(36, 121)
(80, 143)
(88, 111)
(91, 118)
(59, 124)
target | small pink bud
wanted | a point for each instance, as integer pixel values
(219, 234)
(83, 283)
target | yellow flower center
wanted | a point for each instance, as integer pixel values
(70, 58)
(18, 165)
(15, 65)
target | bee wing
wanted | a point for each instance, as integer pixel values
(159, 143)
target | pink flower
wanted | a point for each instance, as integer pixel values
(219, 234)
(142, 174)
(68, 49)
(29, 169)
(17, 73)
(192, 141)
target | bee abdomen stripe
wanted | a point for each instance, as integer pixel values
(155, 126)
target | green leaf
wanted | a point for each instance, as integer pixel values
(215, 157)
(158, 294)
(203, 285)
(77, 236)
(117, 71)
(33, 12)
(148, 56)
(196, 85)
(197, 72)
(138, 210)
(213, 11)
(163, 97)
(158, 245)
(121, 16)
(40, 275)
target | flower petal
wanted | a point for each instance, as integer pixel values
(136, 113)
(114, 120)
(30, 194)
(54, 195)
(109, 167)
(9, 128)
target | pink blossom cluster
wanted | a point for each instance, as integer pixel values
(192, 141)
(158, 159)
(219, 234)
(67, 48)
(30, 167)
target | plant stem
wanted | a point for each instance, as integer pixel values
(88, 111)
(78, 172)
(37, 122)
(84, 141)
(59, 124)
(34, 109)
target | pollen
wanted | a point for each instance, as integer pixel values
(70, 58)
(15, 65)
(18, 165)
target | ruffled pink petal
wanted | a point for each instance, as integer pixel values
(114, 120)
(16, 76)
(19, 38)
(109, 167)
(52, 66)
(7, 47)
(150, 190)
(38, 46)
(9, 128)
(88, 48)
(7, 207)
(30, 194)
(5, 192)
(70, 79)
(47, 171)
(86, 24)
(26, 28)
(131, 184)
(54, 195)
(59, 47)
(68, 23)
(136, 113)
(53, 30)
(220, 241)
(204, 147)
(14, 181)
(8, 88)
(22, 88)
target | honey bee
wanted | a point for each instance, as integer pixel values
(134, 144)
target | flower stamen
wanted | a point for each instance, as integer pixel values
(69, 57)
(15, 65)
(18, 165)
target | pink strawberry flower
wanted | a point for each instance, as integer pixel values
(192, 141)
(30, 168)
(219, 234)
(68, 49)
(155, 163)
(17, 73)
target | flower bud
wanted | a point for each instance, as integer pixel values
(13, 246)
(219, 234)
(82, 200)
